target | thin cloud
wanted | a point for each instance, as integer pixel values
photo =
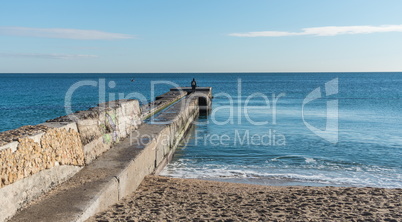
(62, 33)
(325, 31)
(46, 56)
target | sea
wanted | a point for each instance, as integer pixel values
(279, 129)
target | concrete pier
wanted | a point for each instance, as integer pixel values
(118, 171)
(203, 94)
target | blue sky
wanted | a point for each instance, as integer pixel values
(200, 36)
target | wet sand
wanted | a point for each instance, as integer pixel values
(170, 199)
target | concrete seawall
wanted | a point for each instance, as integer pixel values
(117, 151)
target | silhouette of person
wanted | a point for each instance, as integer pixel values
(193, 85)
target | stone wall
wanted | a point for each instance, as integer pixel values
(42, 157)
(34, 159)
(102, 126)
(32, 154)
(74, 140)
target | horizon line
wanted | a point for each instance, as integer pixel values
(195, 72)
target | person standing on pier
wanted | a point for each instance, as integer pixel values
(193, 85)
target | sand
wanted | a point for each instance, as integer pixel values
(169, 199)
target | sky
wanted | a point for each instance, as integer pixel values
(128, 36)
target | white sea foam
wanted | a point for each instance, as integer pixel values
(310, 160)
(333, 175)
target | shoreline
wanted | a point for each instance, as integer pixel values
(274, 182)
(280, 182)
(163, 198)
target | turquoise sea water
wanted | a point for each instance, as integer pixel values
(247, 137)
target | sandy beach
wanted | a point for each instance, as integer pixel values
(170, 199)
